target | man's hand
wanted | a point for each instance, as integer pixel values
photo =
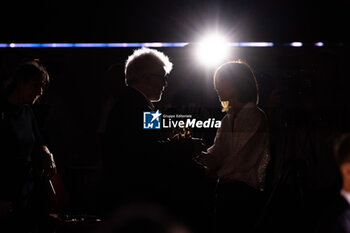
(48, 163)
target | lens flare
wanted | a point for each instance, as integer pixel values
(212, 50)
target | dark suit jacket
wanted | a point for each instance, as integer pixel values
(336, 217)
(140, 166)
(130, 151)
(20, 166)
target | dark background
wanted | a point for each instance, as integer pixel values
(135, 21)
(70, 110)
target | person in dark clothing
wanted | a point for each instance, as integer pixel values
(129, 149)
(336, 216)
(139, 165)
(26, 163)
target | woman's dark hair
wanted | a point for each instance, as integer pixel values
(25, 72)
(241, 76)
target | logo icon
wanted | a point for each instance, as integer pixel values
(151, 120)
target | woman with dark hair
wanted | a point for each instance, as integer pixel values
(25, 162)
(240, 153)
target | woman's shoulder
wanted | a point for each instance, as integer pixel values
(225, 121)
(251, 110)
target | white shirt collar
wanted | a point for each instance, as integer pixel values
(346, 195)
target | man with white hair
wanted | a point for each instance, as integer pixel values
(146, 71)
(139, 165)
(132, 158)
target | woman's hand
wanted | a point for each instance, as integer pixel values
(48, 163)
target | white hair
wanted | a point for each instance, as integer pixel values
(140, 58)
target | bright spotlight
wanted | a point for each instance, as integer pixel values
(212, 50)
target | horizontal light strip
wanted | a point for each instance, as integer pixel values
(251, 44)
(296, 44)
(319, 44)
(154, 44)
(91, 45)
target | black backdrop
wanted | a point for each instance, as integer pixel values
(70, 111)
